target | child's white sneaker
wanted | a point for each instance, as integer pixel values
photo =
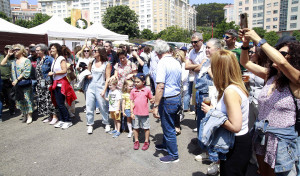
(129, 135)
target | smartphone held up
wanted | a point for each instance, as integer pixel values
(243, 20)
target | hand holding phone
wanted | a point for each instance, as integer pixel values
(243, 20)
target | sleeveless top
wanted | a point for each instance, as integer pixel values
(244, 107)
(56, 67)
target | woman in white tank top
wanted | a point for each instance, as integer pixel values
(233, 101)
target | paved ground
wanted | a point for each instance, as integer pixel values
(40, 149)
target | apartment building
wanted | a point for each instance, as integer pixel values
(273, 15)
(24, 11)
(229, 14)
(5, 7)
(155, 15)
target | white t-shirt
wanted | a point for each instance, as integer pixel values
(113, 97)
(84, 60)
(244, 107)
(56, 67)
(196, 58)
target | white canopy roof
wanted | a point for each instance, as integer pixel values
(6, 26)
(57, 28)
(103, 33)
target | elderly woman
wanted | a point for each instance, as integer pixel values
(21, 69)
(44, 104)
(61, 90)
(277, 100)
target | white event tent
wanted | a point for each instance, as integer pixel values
(103, 33)
(6, 26)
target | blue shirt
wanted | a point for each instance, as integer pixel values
(169, 73)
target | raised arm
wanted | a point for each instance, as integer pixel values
(4, 61)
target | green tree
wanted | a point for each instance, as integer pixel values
(24, 23)
(4, 16)
(297, 35)
(147, 34)
(40, 18)
(260, 31)
(68, 20)
(220, 29)
(175, 34)
(208, 13)
(121, 19)
(271, 37)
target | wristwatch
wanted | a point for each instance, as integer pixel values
(155, 105)
(245, 47)
(261, 42)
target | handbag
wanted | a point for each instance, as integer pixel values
(22, 82)
(297, 124)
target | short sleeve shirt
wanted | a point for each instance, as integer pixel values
(126, 98)
(113, 98)
(140, 99)
(169, 73)
(197, 57)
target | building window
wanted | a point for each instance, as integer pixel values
(293, 17)
(275, 19)
(247, 2)
(295, 1)
(254, 8)
(294, 9)
(240, 3)
(269, 5)
(267, 27)
(254, 1)
(254, 15)
(240, 10)
(268, 20)
(275, 4)
(275, 11)
(293, 25)
(274, 26)
(246, 8)
(268, 12)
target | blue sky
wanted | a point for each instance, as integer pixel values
(191, 1)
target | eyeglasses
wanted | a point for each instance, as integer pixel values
(226, 37)
(86, 51)
(194, 42)
(251, 52)
(284, 53)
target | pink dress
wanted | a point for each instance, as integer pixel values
(280, 110)
(124, 71)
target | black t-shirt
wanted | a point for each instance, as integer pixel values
(140, 67)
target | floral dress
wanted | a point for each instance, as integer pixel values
(44, 104)
(124, 71)
(26, 105)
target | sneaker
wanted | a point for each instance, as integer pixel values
(129, 135)
(213, 169)
(66, 125)
(53, 121)
(161, 147)
(90, 129)
(112, 132)
(59, 124)
(136, 145)
(84, 110)
(97, 111)
(146, 146)
(195, 130)
(201, 157)
(117, 134)
(107, 128)
(46, 120)
(168, 159)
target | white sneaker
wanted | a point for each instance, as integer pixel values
(97, 111)
(84, 110)
(213, 169)
(59, 124)
(195, 130)
(107, 128)
(90, 129)
(201, 157)
(129, 135)
(66, 125)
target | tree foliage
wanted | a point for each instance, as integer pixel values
(23, 23)
(121, 19)
(260, 31)
(4, 16)
(208, 13)
(271, 37)
(297, 35)
(147, 34)
(38, 19)
(68, 20)
(220, 29)
(174, 34)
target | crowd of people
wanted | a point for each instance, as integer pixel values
(245, 99)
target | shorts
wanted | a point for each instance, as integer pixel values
(141, 122)
(114, 116)
(127, 113)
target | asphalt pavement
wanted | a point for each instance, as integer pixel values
(40, 149)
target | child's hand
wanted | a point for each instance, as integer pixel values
(117, 113)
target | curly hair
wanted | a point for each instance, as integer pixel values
(294, 60)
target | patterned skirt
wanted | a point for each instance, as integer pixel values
(26, 105)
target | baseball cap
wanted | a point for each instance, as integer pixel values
(183, 48)
(141, 76)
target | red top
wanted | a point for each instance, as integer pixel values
(66, 90)
(140, 99)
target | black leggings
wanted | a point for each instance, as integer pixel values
(237, 159)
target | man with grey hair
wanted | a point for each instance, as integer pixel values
(167, 99)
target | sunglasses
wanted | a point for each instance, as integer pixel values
(17, 49)
(194, 42)
(6, 48)
(284, 53)
(251, 52)
(134, 50)
(227, 37)
(86, 51)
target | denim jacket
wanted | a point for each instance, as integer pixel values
(287, 144)
(46, 67)
(202, 83)
(216, 139)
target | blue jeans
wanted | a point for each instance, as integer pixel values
(200, 113)
(168, 109)
(298, 163)
(60, 100)
(187, 97)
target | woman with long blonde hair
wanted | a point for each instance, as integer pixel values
(232, 101)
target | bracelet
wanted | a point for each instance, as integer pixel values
(245, 48)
